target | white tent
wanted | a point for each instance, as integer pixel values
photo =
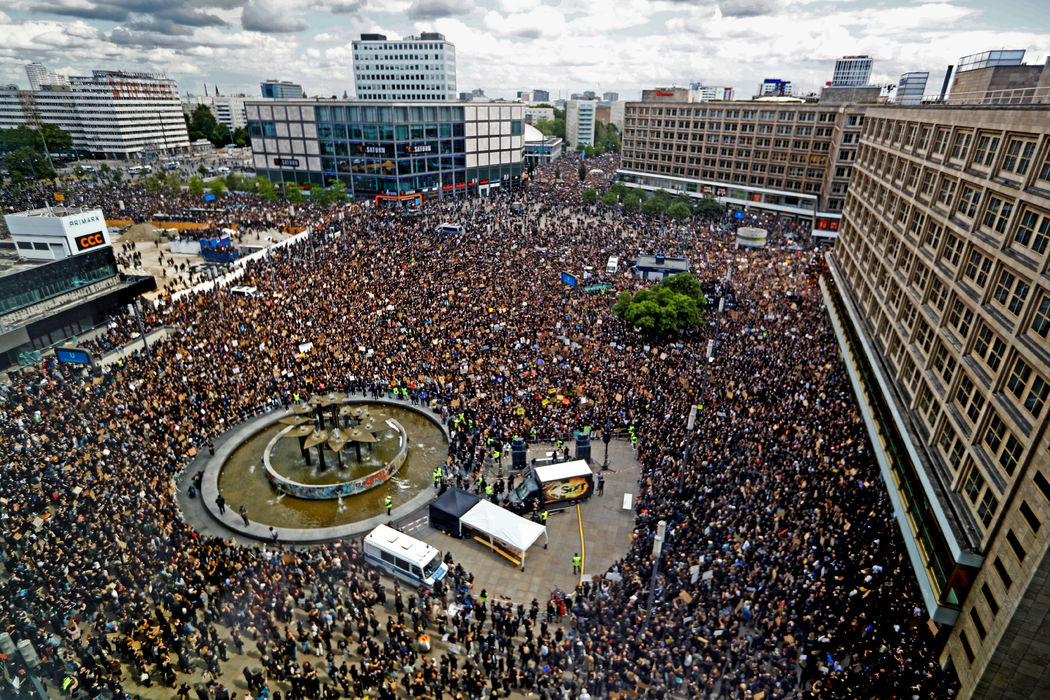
(499, 524)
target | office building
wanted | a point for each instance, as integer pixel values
(792, 159)
(852, 71)
(281, 90)
(774, 87)
(40, 78)
(999, 77)
(535, 115)
(541, 96)
(938, 293)
(610, 96)
(63, 282)
(113, 114)
(911, 87)
(579, 122)
(388, 149)
(416, 68)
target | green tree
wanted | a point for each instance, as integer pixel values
(610, 199)
(679, 211)
(632, 201)
(21, 137)
(196, 186)
(589, 195)
(118, 175)
(265, 189)
(58, 139)
(339, 193)
(654, 206)
(618, 188)
(234, 182)
(202, 169)
(78, 171)
(241, 137)
(582, 171)
(531, 166)
(202, 124)
(24, 163)
(709, 207)
(104, 169)
(217, 187)
(172, 184)
(154, 184)
(293, 194)
(321, 196)
(221, 136)
(672, 306)
(557, 172)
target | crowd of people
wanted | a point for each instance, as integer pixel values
(782, 576)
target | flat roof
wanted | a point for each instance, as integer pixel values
(564, 470)
(399, 542)
(55, 211)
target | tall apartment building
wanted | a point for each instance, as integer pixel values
(40, 77)
(852, 71)
(390, 150)
(281, 90)
(580, 116)
(109, 113)
(416, 68)
(911, 87)
(939, 292)
(792, 159)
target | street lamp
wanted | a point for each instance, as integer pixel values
(658, 547)
(606, 438)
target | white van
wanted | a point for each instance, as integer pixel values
(612, 266)
(448, 229)
(224, 170)
(404, 557)
(135, 170)
(245, 292)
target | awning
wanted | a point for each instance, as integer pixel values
(500, 525)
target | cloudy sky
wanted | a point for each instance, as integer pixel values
(506, 45)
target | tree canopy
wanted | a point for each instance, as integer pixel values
(589, 195)
(25, 163)
(202, 124)
(674, 305)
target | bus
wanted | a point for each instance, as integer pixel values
(449, 229)
(404, 557)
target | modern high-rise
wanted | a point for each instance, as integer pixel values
(390, 150)
(281, 90)
(911, 87)
(774, 87)
(228, 109)
(109, 113)
(938, 291)
(541, 95)
(417, 68)
(610, 96)
(852, 71)
(579, 122)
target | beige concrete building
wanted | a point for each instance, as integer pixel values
(939, 292)
(788, 158)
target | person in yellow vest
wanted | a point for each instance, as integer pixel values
(576, 561)
(543, 517)
(389, 503)
(489, 491)
(437, 476)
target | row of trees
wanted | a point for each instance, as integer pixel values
(25, 150)
(659, 203)
(172, 184)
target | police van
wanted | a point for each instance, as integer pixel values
(404, 557)
(612, 266)
(449, 229)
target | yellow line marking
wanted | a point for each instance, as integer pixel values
(583, 549)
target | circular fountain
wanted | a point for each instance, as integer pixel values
(323, 469)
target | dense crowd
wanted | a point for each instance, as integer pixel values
(783, 574)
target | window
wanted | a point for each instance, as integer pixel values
(1033, 231)
(993, 604)
(961, 146)
(1003, 573)
(977, 624)
(989, 347)
(932, 239)
(1011, 292)
(953, 248)
(1029, 388)
(952, 447)
(987, 507)
(984, 154)
(978, 268)
(967, 649)
(1041, 319)
(1002, 443)
(943, 363)
(1015, 544)
(1018, 158)
(974, 484)
(1030, 517)
(993, 436)
(997, 214)
(968, 202)
(947, 191)
(960, 317)
(970, 399)
(941, 141)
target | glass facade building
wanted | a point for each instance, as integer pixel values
(389, 149)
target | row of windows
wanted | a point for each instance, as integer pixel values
(786, 115)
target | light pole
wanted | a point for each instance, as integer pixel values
(606, 438)
(142, 331)
(29, 658)
(658, 547)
